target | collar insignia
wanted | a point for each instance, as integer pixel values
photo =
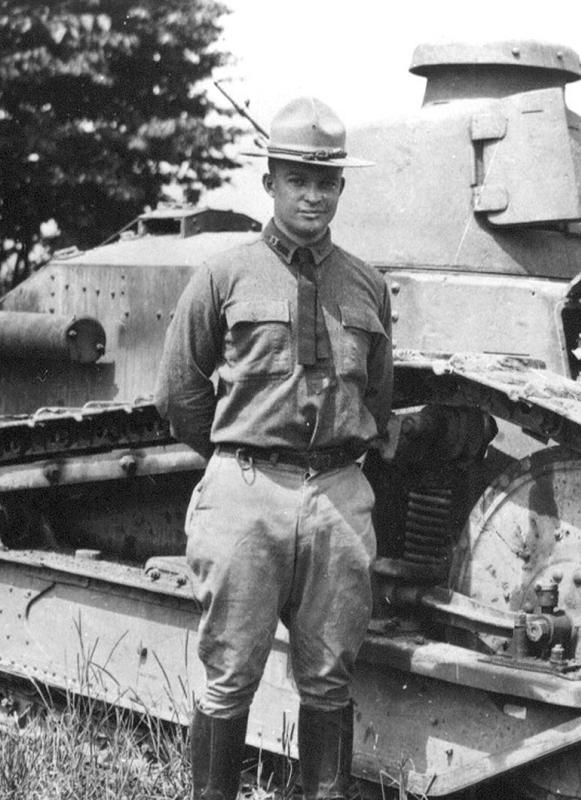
(275, 242)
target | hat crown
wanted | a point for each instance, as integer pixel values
(306, 130)
(307, 124)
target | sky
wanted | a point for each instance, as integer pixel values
(355, 54)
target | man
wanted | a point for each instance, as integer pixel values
(297, 333)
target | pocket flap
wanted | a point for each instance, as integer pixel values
(361, 318)
(258, 311)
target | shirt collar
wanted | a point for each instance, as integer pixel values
(285, 248)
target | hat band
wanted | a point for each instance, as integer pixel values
(310, 155)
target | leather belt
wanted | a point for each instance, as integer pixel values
(318, 460)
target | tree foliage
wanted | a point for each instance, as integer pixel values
(103, 105)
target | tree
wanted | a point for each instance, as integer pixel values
(103, 106)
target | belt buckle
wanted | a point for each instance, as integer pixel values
(320, 461)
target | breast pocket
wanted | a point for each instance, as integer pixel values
(257, 343)
(358, 327)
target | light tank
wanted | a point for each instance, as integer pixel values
(471, 668)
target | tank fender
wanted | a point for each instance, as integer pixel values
(518, 389)
(526, 751)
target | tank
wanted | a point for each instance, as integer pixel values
(471, 668)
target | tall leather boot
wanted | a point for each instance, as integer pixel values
(325, 752)
(217, 748)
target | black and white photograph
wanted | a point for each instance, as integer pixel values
(290, 400)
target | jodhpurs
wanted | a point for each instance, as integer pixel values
(273, 541)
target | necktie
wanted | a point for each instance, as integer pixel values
(306, 307)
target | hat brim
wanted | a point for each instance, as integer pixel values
(346, 162)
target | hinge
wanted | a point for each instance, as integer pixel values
(488, 126)
(489, 198)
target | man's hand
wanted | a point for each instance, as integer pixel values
(386, 443)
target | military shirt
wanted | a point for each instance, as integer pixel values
(229, 372)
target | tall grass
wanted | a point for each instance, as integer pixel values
(85, 751)
(72, 747)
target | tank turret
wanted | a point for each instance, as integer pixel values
(486, 174)
(460, 71)
(479, 188)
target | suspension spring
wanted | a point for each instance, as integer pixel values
(428, 530)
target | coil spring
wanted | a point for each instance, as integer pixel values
(428, 527)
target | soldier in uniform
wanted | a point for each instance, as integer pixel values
(296, 333)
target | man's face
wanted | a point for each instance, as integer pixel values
(305, 198)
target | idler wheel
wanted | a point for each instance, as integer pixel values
(525, 531)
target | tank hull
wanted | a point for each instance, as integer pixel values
(128, 636)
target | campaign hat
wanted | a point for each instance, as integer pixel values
(308, 131)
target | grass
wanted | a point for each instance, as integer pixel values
(84, 751)
(67, 747)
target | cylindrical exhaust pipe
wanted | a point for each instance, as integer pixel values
(31, 335)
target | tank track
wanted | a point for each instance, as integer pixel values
(520, 390)
(94, 428)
